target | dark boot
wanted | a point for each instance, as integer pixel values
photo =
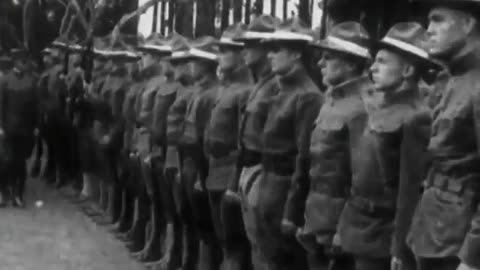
(190, 248)
(152, 251)
(116, 204)
(171, 259)
(18, 192)
(137, 241)
(125, 223)
(210, 255)
(3, 199)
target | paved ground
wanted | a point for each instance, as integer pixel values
(57, 236)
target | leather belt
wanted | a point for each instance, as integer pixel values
(371, 206)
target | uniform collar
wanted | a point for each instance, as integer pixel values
(295, 76)
(351, 87)
(464, 62)
(206, 82)
(404, 94)
(151, 71)
(238, 75)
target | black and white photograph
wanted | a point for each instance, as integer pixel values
(239, 134)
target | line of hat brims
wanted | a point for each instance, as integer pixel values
(196, 53)
(155, 48)
(403, 46)
(230, 42)
(288, 36)
(335, 43)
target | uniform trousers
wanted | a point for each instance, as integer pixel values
(18, 148)
(449, 263)
(265, 194)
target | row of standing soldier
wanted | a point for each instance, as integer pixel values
(225, 154)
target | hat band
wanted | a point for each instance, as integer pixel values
(257, 35)
(120, 53)
(202, 54)
(230, 41)
(162, 48)
(404, 46)
(349, 46)
(285, 35)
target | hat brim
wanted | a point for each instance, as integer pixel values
(423, 59)
(153, 49)
(347, 48)
(226, 42)
(201, 54)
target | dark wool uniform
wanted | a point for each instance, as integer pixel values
(53, 94)
(195, 164)
(283, 184)
(338, 126)
(447, 221)
(19, 116)
(387, 168)
(251, 131)
(221, 145)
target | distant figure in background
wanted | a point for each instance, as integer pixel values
(18, 123)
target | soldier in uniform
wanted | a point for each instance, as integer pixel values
(19, 119)
(157, 49)
(126, 174)
(243, 187)
(109, 125)
(221, 145)
(341, 119)
(195, 165)
(290, 115)
(87, 109)
(53, 93)
(177, 254)
(388, 155)
(446, 225)
(153, 76)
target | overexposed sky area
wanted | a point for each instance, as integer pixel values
(145, 23)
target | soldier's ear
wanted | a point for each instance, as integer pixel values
(470, 24)
(409, 70)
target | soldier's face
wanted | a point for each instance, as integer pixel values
(199, 68)
(228, 58)
(253, 55)
(148, 60)
(387, 70)
(334, 68)
(448, 30)
(181, 70)
(282, 59)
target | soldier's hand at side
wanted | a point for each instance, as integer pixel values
(232, 196)
(36, 132)
(288, 228)
(463, 266)
(2, 133)
(395, 264)
(105, 139)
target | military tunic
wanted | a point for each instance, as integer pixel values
(19, 112)
(283, 184)
(387, 169)
(447, 220)
(338, 126)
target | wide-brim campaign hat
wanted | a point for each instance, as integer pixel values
(227, 38)
(347, 37)
(205, 48)
(156, 44)
(259, 28)
(180, 47)
(468, 5)
(408, 38)
(123, 48)
(291, 31)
